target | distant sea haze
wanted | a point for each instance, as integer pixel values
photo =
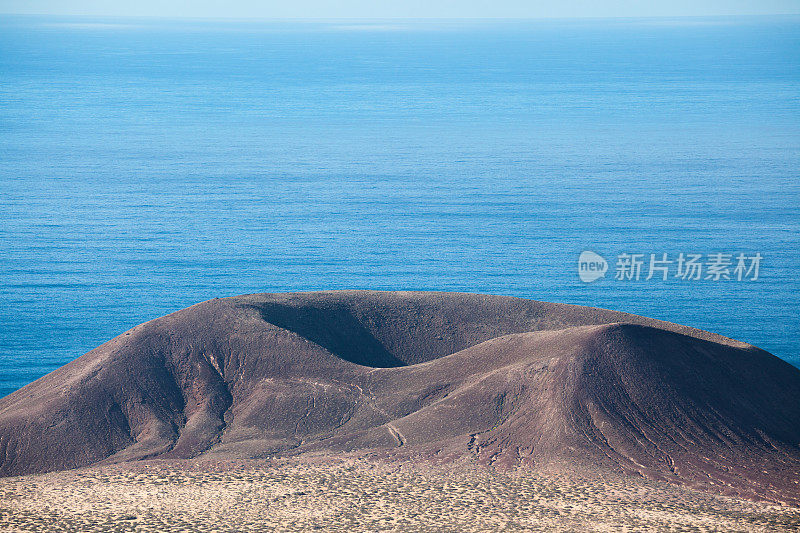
(148, 165)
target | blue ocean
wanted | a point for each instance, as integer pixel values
(146, 165)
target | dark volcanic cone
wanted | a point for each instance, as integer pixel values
(506, 381)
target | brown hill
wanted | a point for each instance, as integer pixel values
(505, 381)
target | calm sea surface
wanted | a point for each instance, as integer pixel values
(148, 165)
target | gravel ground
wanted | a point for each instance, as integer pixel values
(361, 495)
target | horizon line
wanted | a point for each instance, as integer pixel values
(223, 18)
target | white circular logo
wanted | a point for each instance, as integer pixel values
(591, 266)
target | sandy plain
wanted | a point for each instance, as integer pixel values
(358, 494)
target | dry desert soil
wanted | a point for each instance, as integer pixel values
(358, 494)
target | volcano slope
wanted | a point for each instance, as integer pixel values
(421, 376)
